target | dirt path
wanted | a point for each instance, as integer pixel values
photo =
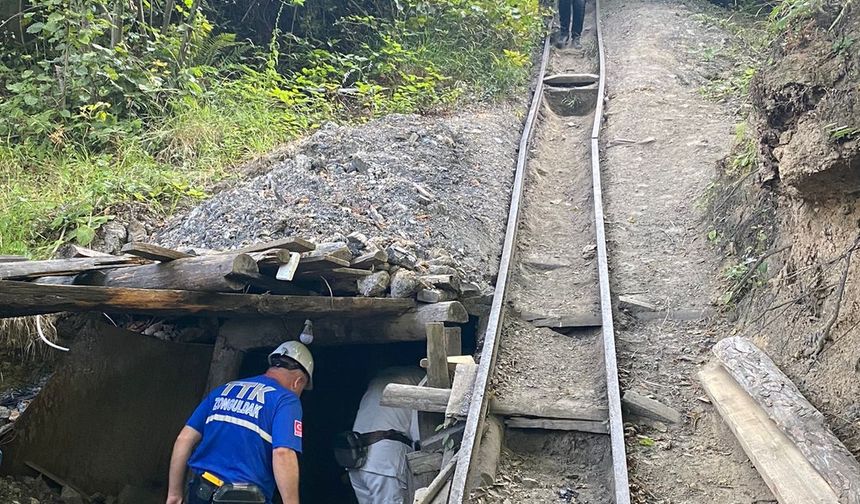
(658, 246)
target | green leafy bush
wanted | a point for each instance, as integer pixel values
(107, 101)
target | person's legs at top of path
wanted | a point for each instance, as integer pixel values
(578, 19)
(564, 12)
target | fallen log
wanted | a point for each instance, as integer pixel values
(435, 400)
(25, 298)
(784, 404)
(784, 469)
(210, 273)
(24, 270)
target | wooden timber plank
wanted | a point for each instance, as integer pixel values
(24, 298)
(293, 244)
(437, 356)
(23, 270)
(558, 424)
(212, 273)
(287, 270)
(478, 408)
(786, 406)
(153, 252)
(310, 264)
(461, 391)
(437, 486)
(78, 251)
(430, 399)
(453, 360)
(784, 469)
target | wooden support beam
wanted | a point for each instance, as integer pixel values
(461, 391)
(785, 470)
(23, 270)
(225, 365)
(453, 360)
(25, 298)
(430, 399)
(489, 453)
(153, 252)
(292, 244)
(379, 323)
(784, 404)
(210, 273)
(437, 356)
(635, 403)
(353, 273)
(454, 338)
(437, 486)
(558, 424)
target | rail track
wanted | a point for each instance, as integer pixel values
(478, 408)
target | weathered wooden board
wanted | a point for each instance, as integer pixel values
(783, 467)
(153, 252)
(24, 298)
(437, 356)
(783, 403)
(430, 399)
(292, 244)
(22, 270)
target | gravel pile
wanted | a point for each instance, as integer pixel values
(437, 186)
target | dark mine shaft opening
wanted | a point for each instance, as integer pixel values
(340, 379)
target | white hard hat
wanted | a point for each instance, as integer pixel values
(299, 353)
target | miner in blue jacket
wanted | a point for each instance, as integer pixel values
(246, 432)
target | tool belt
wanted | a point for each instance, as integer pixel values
(207, 487)
(350, 447)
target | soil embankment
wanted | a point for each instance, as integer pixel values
(797, 209)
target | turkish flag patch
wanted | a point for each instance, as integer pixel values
(297, 428)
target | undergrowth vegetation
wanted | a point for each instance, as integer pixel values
(761, 28)
(104, 102)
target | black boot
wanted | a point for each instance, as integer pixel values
(563, 38)
(576, 43)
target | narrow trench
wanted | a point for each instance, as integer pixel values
(552, 347)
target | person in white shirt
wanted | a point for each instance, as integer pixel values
(385, 477)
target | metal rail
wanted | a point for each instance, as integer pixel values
(613, 394)
(478, 406)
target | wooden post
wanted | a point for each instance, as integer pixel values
(489, 452)
(454, 339)
(212, 273)
(226, 363)
(437, 356)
